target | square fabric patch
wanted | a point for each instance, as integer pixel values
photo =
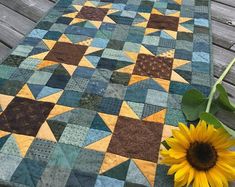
(66, 53)
(136, 139)
(89, 95)
(154, 67)
(13, 118)
(92, 13)
(163, 22)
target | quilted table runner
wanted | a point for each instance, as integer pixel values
(89, 95)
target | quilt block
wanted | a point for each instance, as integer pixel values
(89, 95)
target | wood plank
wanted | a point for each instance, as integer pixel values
(221, 58)
(223, 35)
(227, 118)
(4, 51)
(226, 2)
(14, 20)
(230, 90)
(233, 48)
(9, 36)
(222, 13)
(32, 9)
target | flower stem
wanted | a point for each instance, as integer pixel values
(219, 81)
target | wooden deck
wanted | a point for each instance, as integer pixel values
(18, 17)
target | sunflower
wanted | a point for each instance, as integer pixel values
(200, 155)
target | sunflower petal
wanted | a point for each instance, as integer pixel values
(226, 169)
(181, 138)
(192, 131)
(203, 179)
(211, 181)
(174, 168)
(180, 174)
(185, 131)
(191, 176)
(172, 142)
(170, 161)
(220, 135)
(221, 177)
(227, 143)
(215, 177)
(210, 133)
(226, 156)
(176, 154)
(196, 182)
(201, 130)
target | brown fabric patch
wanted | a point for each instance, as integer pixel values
(92, 13)
(163, 22)
(152, 66)
(24, 116)
(66, 53)
(136, 139)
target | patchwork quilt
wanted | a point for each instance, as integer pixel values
(89, 95)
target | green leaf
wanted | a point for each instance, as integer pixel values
(193, 104)
(211, 119)
(223, 99)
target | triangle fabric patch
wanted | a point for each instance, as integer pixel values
(3, 140)
(23, 142)
(45, 133)
(101, 145)
(99, 124)
(134, 175)
(110, 161)
(10, 147)
(119, 171)
(95, 135)
(127, 111)
(57, 128)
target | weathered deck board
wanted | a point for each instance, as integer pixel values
(14, 20)
(4, 50)
(221, 58)
(221, 12)
(230, 89)
(32, 9)
(223, 35)
(233, 48)
(226, 2)
(9, 36)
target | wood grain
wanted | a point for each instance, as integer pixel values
(223, 35)
(14, 20)
(230, 90)
(4, 50)
(221, 12)
(221, 58)
(32, 9)
(226, 2)
(9, 36)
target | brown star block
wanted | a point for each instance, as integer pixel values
(136, 139)
(92, 13)
(163, 22)
(153, 66)
(24, 116)
(66, 53)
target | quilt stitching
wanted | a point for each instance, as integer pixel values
(91, 92)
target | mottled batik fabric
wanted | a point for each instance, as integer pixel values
(88, 96)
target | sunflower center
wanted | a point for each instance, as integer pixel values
(202, 156)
